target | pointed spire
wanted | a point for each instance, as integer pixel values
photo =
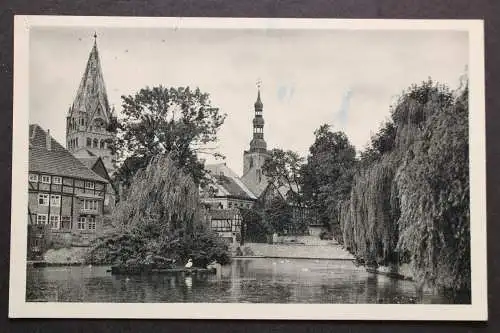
(258, 143)
(258, 104)
(91, 93)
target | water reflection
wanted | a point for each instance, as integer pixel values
(244, 281)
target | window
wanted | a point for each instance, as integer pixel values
(66, 222)
(102, 144)
(221, 225)
(43, 199)
(54, 221)
(41, 219)
(55, 200)
(230, 204)
(81, 223)
(91, 224)
(76, 142)
(96, 143)
(56, 180)
(45, 179)
(89, 142)
(33, 178)
(90, 205)
(89, 185)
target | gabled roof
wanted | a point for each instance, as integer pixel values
(91, 94)
(228, 183)
(96, 164)
(57, 160)
(89, 162)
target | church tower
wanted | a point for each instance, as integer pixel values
(254, 158)
(88, 121)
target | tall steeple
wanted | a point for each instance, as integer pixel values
(89, 116)
(258, 143)
(91, 93)
(255, 157)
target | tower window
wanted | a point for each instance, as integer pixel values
(102, 144)
(89, 142)
(76, 142)
(96, 143)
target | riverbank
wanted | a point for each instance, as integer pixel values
(66, 256)
(295, 251)
(314, 249)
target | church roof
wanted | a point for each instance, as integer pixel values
(56, 160)
(91, 93)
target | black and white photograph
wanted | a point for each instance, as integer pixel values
(248, 168)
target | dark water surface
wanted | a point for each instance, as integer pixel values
(244, 281)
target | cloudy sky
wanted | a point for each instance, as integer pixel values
(346, 78)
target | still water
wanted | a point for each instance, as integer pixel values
(244, 281)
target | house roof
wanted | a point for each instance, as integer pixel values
(228, 183)
(57, 160)
(89, 162)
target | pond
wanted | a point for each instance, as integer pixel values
(243, 281)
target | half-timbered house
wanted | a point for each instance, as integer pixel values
(64, 194)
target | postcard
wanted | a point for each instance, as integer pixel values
(230, 168)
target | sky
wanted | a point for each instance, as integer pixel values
(346, 78)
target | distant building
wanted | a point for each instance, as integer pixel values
(227, 223)
(226, 190)
(301, 214)
(254, 158)
(64, 194)
(90, 119)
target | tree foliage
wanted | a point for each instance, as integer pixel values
(283, 170)
(327, 176)
(161, 216)
(179, 121)
(409, 201)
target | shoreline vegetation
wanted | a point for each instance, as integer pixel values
(161, 216)
(409, 202)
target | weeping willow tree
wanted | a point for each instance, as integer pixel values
(409, 201)
(162, 215)
(433, 182)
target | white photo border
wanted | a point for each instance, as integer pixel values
(19, 308)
